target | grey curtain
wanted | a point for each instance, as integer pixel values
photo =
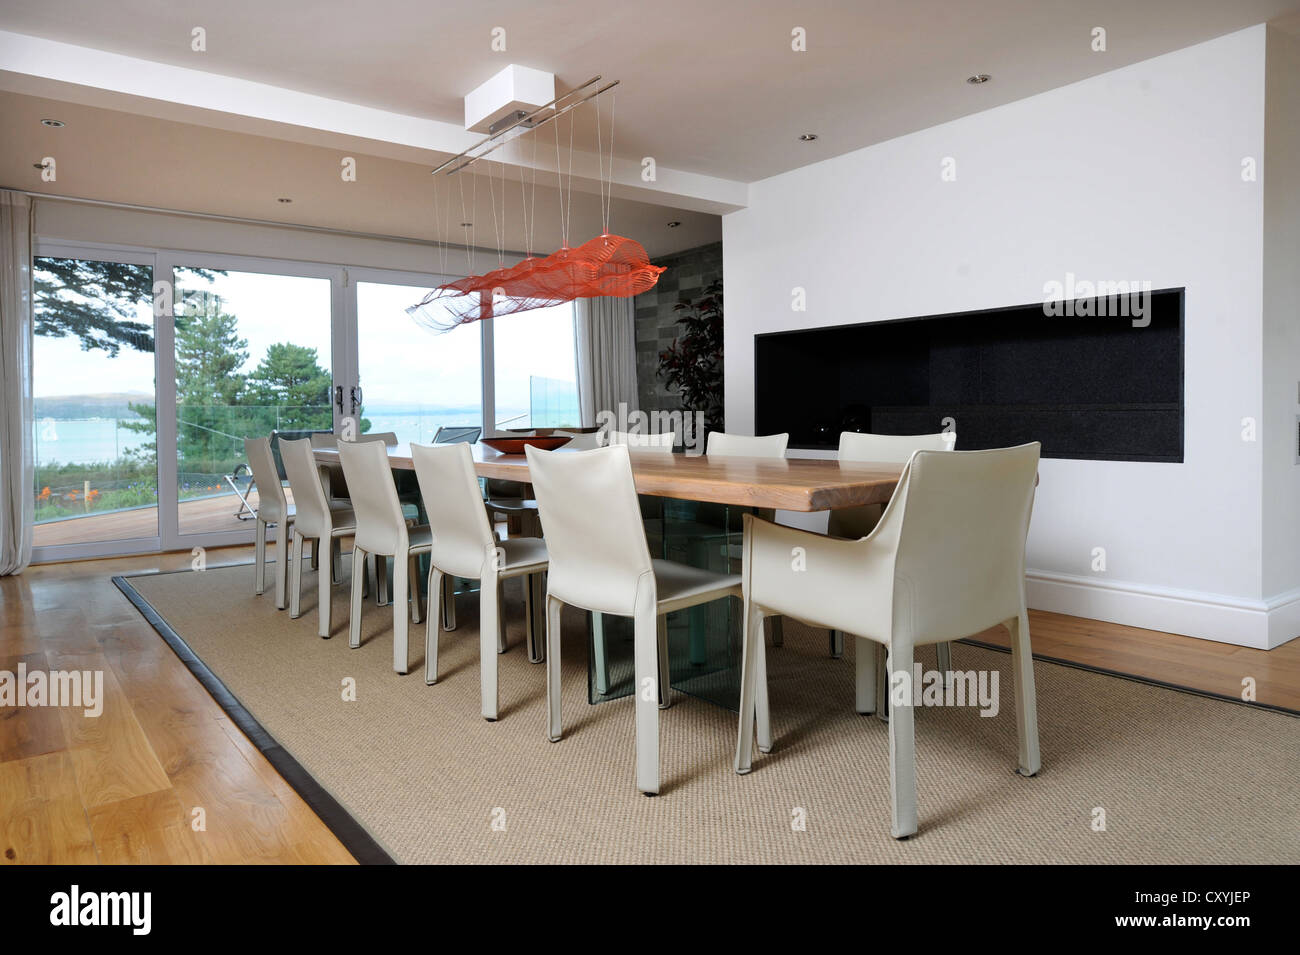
(606, 345)
(16, 477)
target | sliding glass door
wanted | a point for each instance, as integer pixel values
(96, 487)
(252, 353)
(152, 367)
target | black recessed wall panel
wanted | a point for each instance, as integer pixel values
(1087, 387)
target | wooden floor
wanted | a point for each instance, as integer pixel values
(124, 787)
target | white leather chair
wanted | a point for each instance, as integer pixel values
(743, 445)
(638, 441)
(318, 519)
(464, 546)
(599, 561)
(855, 522)
(272, 509)
(946, 560)
(381, 530)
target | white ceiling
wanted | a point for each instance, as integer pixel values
(710, 88)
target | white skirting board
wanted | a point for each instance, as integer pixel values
(1262, 624)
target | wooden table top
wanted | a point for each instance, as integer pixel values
(790, 484)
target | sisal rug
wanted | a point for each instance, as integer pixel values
(1180, 778)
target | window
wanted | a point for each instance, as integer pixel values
(414, 381)
(536, 369)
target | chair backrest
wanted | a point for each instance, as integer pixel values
(892, 448)
(744, 445)
(455, 434)
(957, 523)
(312, 510)
(271, 503)
(594, 535)
(581, 440)
(641, 442)
(381, 527)
(389, 438)
(324, 439)
(462, 536)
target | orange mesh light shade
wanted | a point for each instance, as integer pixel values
(608, 265)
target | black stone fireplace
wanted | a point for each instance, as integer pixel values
(1093, 383)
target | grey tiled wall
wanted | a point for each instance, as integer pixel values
(686, 276)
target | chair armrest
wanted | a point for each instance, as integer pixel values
(824, 581)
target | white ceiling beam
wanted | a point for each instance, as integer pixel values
(64, 71)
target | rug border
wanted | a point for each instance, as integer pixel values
(363, 847)
(349, 831)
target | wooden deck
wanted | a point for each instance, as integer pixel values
(198, 516)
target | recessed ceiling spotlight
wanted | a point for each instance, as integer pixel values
(466, 225)
(978, 78)
(53, 123)
(674, 224)
(807, 137)
(284, 200)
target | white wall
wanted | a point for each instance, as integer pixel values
(1134, 174)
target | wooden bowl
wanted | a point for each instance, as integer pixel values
(547, 442)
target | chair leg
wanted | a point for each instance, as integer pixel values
(381, 580)
(836, 644)
(489, 644)
(864, 668)
(751, 643)
(259, 558)
(761, 707)
(295, 576)
(413, 572)
(554, 725)
(534, 608)
(943, 661)
(448, 602)
(354, 610)
(1022, 666)
(902, 751)
(401, 613)
(501, 618)
(646, 653)
(665, 674)
(281, 563)
(600, 659)
(882, 684)
(776, 630)
(324, 596)
(431, 622)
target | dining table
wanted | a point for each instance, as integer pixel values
(693, 503)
